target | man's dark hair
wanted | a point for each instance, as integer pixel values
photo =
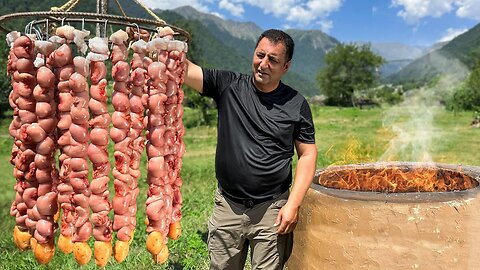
(275, 36)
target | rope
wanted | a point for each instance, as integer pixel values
(65, 6)
(148, 11)
(121, 9)
(73, 5)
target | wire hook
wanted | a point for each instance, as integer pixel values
(46, 30)
(138, 29)
(63, 20)
(27, 27)
(105, 28)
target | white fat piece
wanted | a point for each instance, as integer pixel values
(166, 32)
(176, 45)
(58, 41)
(32, 36)
(99, 45)
(39, 61)
(11, 37)
(45, 47)
(119, 37)
(91, 56)
(157, 44)
(66, 32)
(139, 46)
(82, 65)
(79, 39)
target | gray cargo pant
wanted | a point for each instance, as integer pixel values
(233, 228)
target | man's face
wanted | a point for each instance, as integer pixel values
(269, 64)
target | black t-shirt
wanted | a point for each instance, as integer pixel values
(256, 133)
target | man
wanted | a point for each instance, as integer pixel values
(260, 121)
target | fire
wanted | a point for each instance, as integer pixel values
(397, 179)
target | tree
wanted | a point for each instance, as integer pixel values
(5, 86)
(467, 96)
(348, 68)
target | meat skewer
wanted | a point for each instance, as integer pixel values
(79, 165)
(54, 108)
(137, 82)
(22, 86)
(98, 151)
(46, 173)
(165, 147)
(30, 132)
(123, 181)
(62, 62)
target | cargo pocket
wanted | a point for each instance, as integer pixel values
(279, 203)
(218, 197)
(212, 229)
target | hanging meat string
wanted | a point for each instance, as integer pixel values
(98, 152)
(55, 108)
(125, 185)
(165, 147)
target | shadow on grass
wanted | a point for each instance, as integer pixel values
(203, 235)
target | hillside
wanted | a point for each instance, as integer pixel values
(455, 58)
(226, 44)
(240, 38)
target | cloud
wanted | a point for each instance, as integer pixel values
(451, 33)
(325, 25)
(412, 11)
(234, 9)
(297, 13)
(469, 9)
(218, 15)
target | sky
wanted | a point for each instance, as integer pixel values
(414, 22)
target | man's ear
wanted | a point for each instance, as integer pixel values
(287, 66)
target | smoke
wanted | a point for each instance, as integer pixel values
(412, 121)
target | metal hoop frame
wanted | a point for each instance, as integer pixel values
(46, 17)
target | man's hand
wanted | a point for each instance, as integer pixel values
(287, 219)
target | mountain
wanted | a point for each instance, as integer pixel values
(396, 55)
(454, 58)
(393, 51)
(244, 31)
(310, 46)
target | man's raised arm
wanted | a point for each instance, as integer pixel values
(194, 76)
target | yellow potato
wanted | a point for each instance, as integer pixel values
(154, 242)
(33, 244)
(65, 244)
(82, 252)
(121, 250)
(21, 239)
(44, 252)
(132, 233)
(175, 230)
(102, 252)
(161, 257)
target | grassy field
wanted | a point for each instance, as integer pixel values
(344, 135)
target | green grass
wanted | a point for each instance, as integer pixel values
(344, 135)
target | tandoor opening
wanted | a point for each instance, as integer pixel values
(397, 179)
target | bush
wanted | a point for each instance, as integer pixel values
(389, 95)
(193, 117)
(467, 95)
(5, 86)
